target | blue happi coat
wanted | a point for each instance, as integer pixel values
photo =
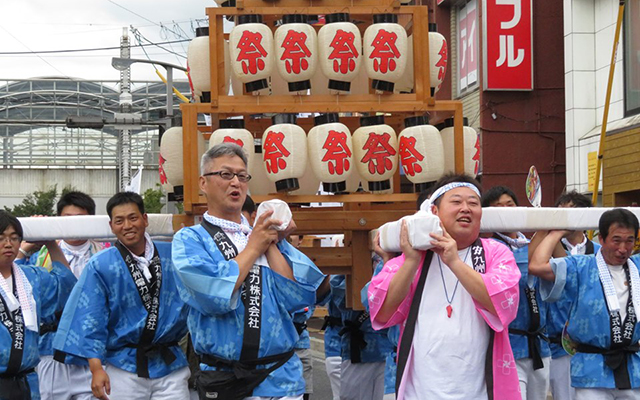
(332, 341)
(519, 343)
(216, 317)
(49, 290)
(556, 318)
(105, 314)
(301, 317)
(576, 278)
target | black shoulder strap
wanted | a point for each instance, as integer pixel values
(14, 323)
(251, 293)
(589, 248)
(410, 327)
(150, 295)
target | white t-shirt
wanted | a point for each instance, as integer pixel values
(448, 357)
(619, 278)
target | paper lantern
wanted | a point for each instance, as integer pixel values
(163, 176)
(406, 82)
(232, 131)
(259, 183)
(309, 183)
(284, 151)
(251, 51)
(471, 147)
(296, 52)
(437, 58)
(198, 61)
(385, 48)
(340, 51)
(226, 3)
(330, 152)
(172, 153)
(421, 152)
(375, 148)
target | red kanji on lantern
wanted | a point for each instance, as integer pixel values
(344, 52)
(409, 156)
(384, 51)
(163, 175)
(476, 157)
(295, 52)
(337, 152)
(442, 62)
(275, 152)
(251, 52)
(378, 153)
(229, 139)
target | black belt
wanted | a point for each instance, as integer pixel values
(555, 340)
(240, 368)
(15, 387)
(533, 343)
(616, 359)
(50, 327)
(356, 340)
(144, 352)
(300, 327)
(330, 321)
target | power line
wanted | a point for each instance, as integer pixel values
(7, 53)
(31, 51)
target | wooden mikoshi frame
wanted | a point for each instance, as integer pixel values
(360, 212)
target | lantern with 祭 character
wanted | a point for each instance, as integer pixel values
(251, 52)
(232, 131)
(172, 155)
(375, 149)
(471, 147)
(198, 61)
(385, 51)
(284, 151)
(296, 51)
(421, 152)
(340, 51)
(330, 152)
(438, 56)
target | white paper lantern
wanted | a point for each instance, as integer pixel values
(385, 48)
(172, 153)
(406, 82)
(251, 51)
(227, 67)
(330, 152)
(259, 183)
(438, 56)
(375, 148)
(471, 147)
(309, 183)
(284, 151)
(421, 152)
(163, 176)
(232, 131)
(340, 51)
(296, 51)
(198, 61)
(226, 3)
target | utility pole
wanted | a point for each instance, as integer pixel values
(126, 107)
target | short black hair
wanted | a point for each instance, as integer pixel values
(494, 194)
(121, 198)
(450, 178)
(78, 199)
(249, 206)
(620, 216)
(9, 220)
(579, 200)
(424, 195)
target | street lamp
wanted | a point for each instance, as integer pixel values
(122, 64)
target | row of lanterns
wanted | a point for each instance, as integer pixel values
(296, 51)
(334, 154)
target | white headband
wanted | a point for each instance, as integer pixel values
(426, 205)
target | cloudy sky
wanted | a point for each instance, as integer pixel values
(30, 27)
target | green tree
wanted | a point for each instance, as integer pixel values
(36, 203)
(153, 200)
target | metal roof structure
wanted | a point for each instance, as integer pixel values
(34, 134)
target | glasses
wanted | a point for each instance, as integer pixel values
(228, 175)
(10, 239)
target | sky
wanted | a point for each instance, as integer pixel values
(29, 26)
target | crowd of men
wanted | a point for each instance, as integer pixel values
(220, 312)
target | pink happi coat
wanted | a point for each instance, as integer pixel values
(501, 279)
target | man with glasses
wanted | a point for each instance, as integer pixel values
(242, 285)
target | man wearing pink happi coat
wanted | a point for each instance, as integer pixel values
(454, 304)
